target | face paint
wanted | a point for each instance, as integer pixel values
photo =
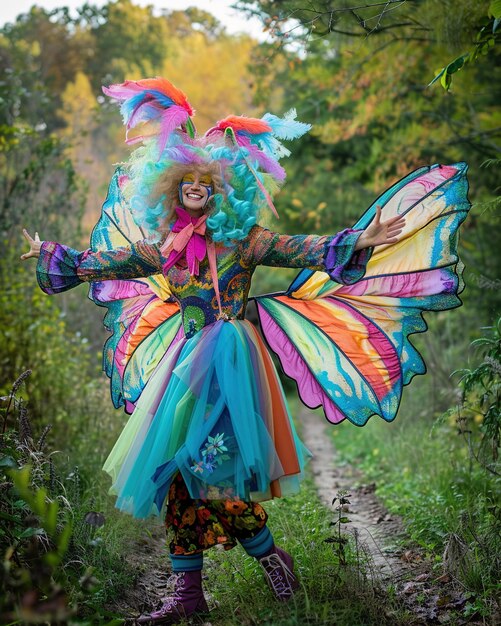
(195, 190)
(203, 180)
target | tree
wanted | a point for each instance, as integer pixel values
(375, 119)
(131, 43)
(45, 54)
(220, 85)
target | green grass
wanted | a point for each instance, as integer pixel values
(422, 472)
(330, 593)
(100, 552)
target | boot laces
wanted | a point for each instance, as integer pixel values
(278, 574)
(175, 596)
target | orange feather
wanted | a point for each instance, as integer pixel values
(250, 125)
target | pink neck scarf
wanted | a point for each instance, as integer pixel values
(187, 242)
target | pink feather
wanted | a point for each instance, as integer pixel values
(170, 119)
(268, 164)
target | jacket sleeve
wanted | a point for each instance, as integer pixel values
(335, 254)
(60, 268)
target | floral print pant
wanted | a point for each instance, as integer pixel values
(201, 524)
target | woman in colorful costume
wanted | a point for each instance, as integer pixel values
(210, 435)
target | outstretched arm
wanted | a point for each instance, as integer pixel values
(343, 256)
(335, 255)
(60, 267)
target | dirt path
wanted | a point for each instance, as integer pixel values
(375, 527)
(432, 598)
(149, 557)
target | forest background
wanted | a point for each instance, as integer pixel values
(361, 77)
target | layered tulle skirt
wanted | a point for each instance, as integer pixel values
(214, 410)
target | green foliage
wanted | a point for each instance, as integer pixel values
(36, 525)
(481, 402)
(128, 37)
(61, 562)
(36, 336)
(484, 42)
(339, 539)
(47, 512)
(38, 188)
(38, 183)
(35, 178)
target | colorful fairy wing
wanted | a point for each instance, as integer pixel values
(142, 321)
(347, 346)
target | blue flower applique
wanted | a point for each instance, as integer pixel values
(209, 463)
(215, 445)
(212, 455)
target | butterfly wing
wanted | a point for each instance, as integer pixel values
(347, 346)
(141, 316)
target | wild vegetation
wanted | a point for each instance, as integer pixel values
(362, 77)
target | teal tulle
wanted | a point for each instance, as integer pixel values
(208, 413)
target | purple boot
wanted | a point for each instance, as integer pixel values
(279, 572)
(188, 598)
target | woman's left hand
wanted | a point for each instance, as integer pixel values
(379, 233)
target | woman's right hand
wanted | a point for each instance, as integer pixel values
(35, 245)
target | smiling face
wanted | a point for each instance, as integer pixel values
(195, 190)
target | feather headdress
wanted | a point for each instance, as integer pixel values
(247, 151)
